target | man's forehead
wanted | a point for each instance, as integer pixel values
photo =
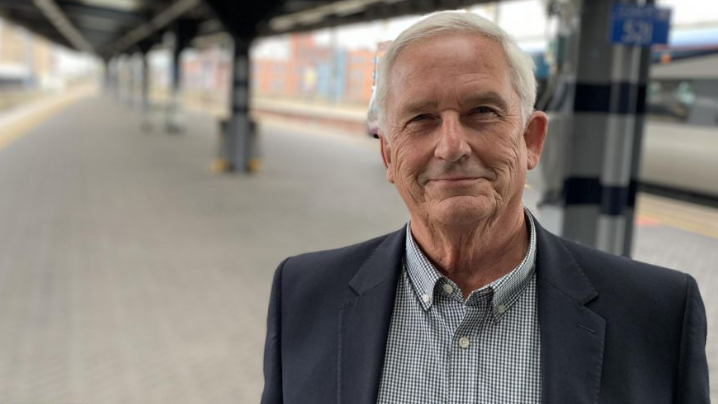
(465, 72)
(457, 57)
(473, 48)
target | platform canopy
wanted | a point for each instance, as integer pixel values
(111, 27)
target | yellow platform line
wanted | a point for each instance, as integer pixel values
(24, 125)
(691, 228)
(680, 215)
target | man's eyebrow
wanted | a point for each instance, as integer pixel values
(489, 97)
(413, 107)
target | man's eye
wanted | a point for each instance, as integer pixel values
(483, 110)
(418, 118)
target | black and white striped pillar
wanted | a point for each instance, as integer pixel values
(618, 150)
(595, 205)
(630, 211)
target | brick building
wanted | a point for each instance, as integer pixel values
(26, 60)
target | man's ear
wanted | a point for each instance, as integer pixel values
(386, 156)
(534, 136)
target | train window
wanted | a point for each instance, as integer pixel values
(670, 100)
(686, 93)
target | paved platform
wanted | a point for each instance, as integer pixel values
(130, 273)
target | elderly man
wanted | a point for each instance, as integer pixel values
(473, 302)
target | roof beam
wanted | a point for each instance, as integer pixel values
(63, 24)
(120, 17)
(158, 22)
(317, 14)
(345, 12)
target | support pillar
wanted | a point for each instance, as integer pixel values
(131, 79)
(145, 105)
(240, 137)
(125, 83)
(618, 150)
(599, 146)
(107, 76)
(630, 211)
(114, 77)
(182, 34)
(172, 123)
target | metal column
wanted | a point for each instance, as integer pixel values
(240, 135)
(172, 123)
(618, 150)
(114, 78)
(594, 206)
(630, 211)
(239, 146)
(145, 105)
(122, 78)
(107, 77)
(131, 79)
(182, 34)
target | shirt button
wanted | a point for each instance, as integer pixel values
(448, 289)
(501, 308)
(425, 298)
(464, 342)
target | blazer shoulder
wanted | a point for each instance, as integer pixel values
(614, 274)
(329, 268)
(319, 260)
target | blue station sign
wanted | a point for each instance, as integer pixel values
(639, 25)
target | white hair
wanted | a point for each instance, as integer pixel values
(442, 23)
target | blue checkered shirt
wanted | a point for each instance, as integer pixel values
(442, 349)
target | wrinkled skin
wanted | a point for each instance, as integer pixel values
(457, 148)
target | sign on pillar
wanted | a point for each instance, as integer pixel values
(639, 25)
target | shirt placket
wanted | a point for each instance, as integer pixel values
(465, 352)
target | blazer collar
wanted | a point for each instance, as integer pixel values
(364, 322)
(572, 336)
(383, 264)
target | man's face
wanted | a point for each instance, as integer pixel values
(456, 146)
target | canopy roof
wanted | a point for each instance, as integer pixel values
(111, 27)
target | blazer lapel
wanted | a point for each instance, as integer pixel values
(364, 322)
(572, 336)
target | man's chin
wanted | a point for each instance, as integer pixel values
(462, 210)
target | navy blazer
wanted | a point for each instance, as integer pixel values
(612, 330)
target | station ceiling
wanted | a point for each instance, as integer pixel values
(111, 27)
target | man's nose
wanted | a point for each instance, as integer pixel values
(452, 145)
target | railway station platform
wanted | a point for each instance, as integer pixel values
(132, 273)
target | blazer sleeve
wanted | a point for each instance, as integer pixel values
(692, 385)
(273, 344)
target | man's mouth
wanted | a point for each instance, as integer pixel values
(455, 180)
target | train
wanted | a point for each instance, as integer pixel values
(680, 146)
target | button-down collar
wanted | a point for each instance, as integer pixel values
(427, 282)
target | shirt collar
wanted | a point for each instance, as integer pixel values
(424, 277)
